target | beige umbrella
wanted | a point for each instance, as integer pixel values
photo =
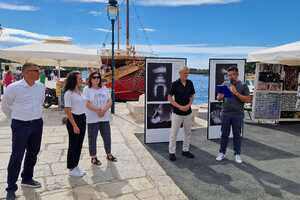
(57, 52)
(53, 52)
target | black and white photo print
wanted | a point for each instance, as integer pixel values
(159, 116)
(215, 113)
(159, 81)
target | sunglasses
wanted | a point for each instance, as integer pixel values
(96, 77)
(33, 70)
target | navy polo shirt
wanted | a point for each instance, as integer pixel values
(182, 95)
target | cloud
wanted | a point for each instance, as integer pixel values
(147, 29)
(17, 7)
(103, 30)
(169, 3)
(95, 13)
(199, 49)
(197, 54)
(13, 36)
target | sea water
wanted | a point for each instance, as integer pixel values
(201, 88)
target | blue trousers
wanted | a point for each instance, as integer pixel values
(93, 129)
(236, 123)
(26, 135)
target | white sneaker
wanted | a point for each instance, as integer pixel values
(238, 159)
(80, 171)
(220, 157)
(76, 172)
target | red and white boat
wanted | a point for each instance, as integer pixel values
(129, 67)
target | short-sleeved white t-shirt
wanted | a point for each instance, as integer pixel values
(75, 101)
(99, 98)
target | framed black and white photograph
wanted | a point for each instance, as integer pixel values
(215, 113)
(159, 81)
(221, 73)
(159, 116)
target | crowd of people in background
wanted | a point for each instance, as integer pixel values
(8, 77)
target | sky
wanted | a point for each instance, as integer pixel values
(192, 29)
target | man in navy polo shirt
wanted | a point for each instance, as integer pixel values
(181, 97)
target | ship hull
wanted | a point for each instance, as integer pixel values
(129, 88)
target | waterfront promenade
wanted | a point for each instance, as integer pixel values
(271, 168)
(136, 175)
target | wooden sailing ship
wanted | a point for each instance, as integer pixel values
(129, 67)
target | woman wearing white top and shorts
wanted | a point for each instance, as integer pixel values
(98, 103)
(76, 123)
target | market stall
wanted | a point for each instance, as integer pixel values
(277, 83)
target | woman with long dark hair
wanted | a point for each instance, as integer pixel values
(98, 103)
(76, 123)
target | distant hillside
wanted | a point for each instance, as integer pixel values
(198, 71)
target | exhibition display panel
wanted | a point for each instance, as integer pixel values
(160, 73)
(217, 76)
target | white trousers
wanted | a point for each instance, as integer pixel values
(187, 122)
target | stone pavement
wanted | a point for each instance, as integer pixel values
(270, 171)
(136, 175)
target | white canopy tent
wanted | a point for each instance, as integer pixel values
(53, 52)
(288, 54)
(58, 52)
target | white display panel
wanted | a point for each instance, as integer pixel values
(159, 75)
(217, 75)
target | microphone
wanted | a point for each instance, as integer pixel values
(233, 82)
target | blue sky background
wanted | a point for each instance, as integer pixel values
(196, 29)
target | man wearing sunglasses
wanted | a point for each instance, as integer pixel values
(22, 103)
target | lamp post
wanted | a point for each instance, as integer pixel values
(112, 12)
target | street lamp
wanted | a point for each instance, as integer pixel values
(112, 12)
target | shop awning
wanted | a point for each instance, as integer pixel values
(288, 54)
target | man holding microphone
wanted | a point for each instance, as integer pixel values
(232, 115)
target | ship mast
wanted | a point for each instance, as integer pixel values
(127, 27)
(119, 29)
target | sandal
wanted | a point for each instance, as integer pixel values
(111, 158)
(95, 161)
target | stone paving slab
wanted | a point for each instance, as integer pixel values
(136, 175)
(270, 171)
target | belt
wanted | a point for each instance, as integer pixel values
(27, 121)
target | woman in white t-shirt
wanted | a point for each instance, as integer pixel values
(98, 103)
(76, 123)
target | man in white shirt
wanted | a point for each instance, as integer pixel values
(22, 103)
